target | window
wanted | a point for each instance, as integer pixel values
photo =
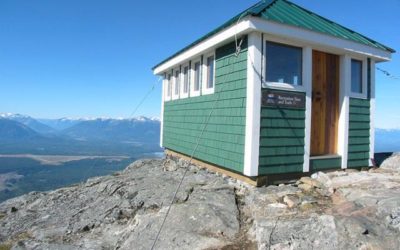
(176, 84)
(356, 76)
(196, 78)
(185, 81)
(209, 73)
(283, 64)
(168, 87)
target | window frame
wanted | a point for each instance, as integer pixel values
(205, 89)
(194, 92)
(280, 85)
(175, 82)
(364, 78)
(167, 84)
(182, 82)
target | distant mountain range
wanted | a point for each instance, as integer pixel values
(11, 130)
(105, 136)
(24, 134)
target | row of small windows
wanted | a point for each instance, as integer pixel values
(190, 79)
(284, 65)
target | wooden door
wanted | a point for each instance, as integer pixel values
(325, 103)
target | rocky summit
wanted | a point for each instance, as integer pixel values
(335, 210)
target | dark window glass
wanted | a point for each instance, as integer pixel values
(185, 79)
(169, 85)
(197, 76)
(176, 82)
(210, 72)
(356, 76)
(283, 63)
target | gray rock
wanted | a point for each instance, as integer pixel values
(125, 210)
(338, 210)
(315, 232)
(392, 163)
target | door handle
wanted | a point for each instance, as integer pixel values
(317, 96)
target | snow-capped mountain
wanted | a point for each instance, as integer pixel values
(138, 129)
(11, 130)
(29, 122)
(24, 134)
(141, 129)
(60, 124)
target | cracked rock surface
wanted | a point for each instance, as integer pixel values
(336, 210)
(124, 211)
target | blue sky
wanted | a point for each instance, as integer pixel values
(73, 58)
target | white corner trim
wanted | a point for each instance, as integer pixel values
(344, 102)
(240, 28)
(307, 84)
(319, 39)
(253, 105)
(372, 114)
(164, 82)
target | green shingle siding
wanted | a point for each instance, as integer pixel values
(223, 140)
(324, 164)
(282, 132)
(359, 133)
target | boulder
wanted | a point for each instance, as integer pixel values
(310, 181)
(291, 200)
(392, 163)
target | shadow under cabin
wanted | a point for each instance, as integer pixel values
(278, 90)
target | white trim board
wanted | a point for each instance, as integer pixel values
(162, 111)
(372, 115)
(344, 106)
(253, 105)
(307, 84)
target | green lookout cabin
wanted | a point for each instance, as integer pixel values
(280, 89)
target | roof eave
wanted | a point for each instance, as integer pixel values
(253, 10)
(227, 34)
(313, 37)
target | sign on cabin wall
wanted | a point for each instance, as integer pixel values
(275, 98)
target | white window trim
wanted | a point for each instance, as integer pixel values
(167, 85)
(205, 90)
(285, 86)
(182, 94)
(363, 94)
(193, 92)
(174, 83)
